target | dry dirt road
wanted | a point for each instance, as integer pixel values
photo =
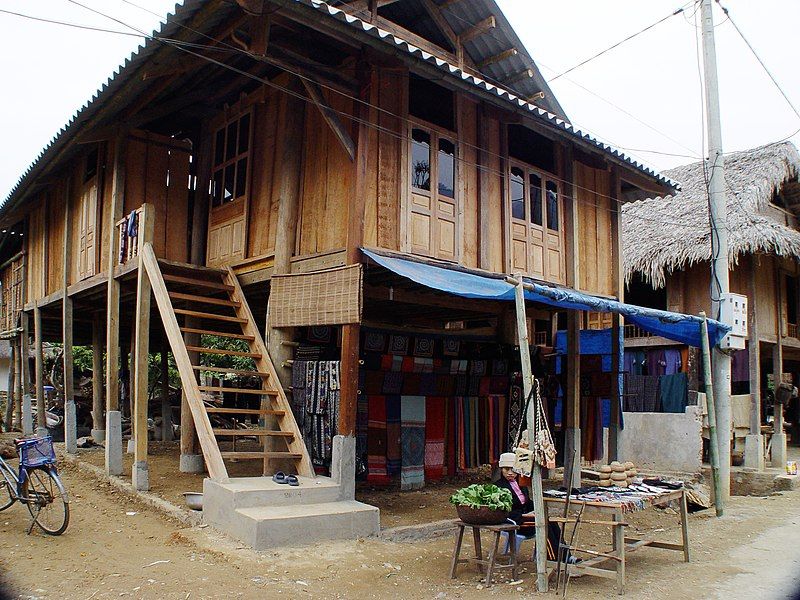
(107, 552)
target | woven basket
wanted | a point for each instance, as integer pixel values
(482, 515)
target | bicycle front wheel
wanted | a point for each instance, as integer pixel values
(47, 500)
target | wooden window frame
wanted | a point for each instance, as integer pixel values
(545, 177)
(436, 133)
(223, 125)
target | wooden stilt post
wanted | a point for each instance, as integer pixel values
(12, 383)
(139, 376)
(287, 188)
(41, 415)
(754, 442)
(778, 436)
(166, 408)
(351, 332)
(712, 417)
(572, 400)
(70, 417)
(25, 370)
(113, 448)
(98, 422)
(19, 388)
(536, 475)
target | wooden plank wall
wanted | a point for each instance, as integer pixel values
(327, 182)
(495, 228)
(36, 260)
(468, 179)
(268, 128)
(148, 166)
(55, 237)
(594, 230)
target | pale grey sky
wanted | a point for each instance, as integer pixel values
(49, 71)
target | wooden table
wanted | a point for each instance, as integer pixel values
(491, 561)
(622, 544)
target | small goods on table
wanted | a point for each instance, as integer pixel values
(616, 501)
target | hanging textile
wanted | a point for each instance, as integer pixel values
(674, 392)
(515, 406)
(298, 396)
(435, 411)
(544, 449)
(376, 440)
(393, 454)
(412, 411)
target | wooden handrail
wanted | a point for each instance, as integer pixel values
(128, 246)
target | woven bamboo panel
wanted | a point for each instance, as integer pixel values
(330, 297)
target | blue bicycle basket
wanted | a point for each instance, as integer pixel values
(35, 452)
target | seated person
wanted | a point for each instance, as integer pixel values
(522, 504)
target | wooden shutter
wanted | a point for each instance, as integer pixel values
(87, 227)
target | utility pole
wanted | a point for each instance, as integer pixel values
(718, 210)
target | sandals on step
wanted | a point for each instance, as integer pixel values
(292, 480)
(279, 477)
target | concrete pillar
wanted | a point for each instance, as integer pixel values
(343, 465)
(113, 442)
(27, 415)
(70, 427)
(140, 476)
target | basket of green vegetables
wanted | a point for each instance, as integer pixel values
(482, 504)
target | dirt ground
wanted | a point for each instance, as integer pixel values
(118, 548)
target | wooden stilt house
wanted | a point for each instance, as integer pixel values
(236, 166)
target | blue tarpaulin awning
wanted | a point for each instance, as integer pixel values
(490, 286)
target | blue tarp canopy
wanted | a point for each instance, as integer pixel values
(469, 284)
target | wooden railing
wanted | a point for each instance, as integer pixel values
(540, 338)
(792, 330)
(129, 235)
(634, 331)
(12, 289)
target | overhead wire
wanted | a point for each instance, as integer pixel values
(622, 41)
(182, 46)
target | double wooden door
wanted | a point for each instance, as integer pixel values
(537, 239)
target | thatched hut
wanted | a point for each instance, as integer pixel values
(667, 251)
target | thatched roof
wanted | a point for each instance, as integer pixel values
(666, 234)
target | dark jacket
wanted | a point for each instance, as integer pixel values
(517, 508)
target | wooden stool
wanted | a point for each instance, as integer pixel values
(491, 561)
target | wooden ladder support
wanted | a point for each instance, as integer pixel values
(295, 444)
(205, 434)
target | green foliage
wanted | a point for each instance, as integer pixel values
(241, 363)
(483, 494)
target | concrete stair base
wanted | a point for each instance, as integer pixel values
(264, 514)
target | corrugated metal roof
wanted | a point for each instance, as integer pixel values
(184, 13)
(500, 92)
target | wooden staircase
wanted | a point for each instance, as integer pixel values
(213, 302)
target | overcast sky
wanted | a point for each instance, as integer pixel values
(49, 71)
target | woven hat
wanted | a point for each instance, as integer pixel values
(507, 459)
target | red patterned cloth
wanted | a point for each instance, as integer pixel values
(435, 414)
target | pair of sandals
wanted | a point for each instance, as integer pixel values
(282, 478)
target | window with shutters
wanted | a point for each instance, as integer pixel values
(433, 211)
(536, 231)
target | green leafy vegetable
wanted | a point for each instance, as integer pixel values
(483, 494)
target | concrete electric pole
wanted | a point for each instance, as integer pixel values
(719, 243)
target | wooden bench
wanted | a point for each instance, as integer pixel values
(491, 561)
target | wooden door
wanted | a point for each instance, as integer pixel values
(230, 182)
(535, 225)
(433, 214)
(87, 228)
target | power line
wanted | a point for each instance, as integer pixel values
(67, 24)
(184, 47)
(758, 58)
(619, 43)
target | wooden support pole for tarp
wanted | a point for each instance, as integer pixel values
(536, 474)
(25, 372)
(712, 417)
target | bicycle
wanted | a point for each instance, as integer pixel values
(37, 485)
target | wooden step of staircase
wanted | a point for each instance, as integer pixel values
(176, 283)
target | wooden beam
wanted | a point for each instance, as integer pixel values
(617, 276)
(436, 15)
(478, 29)
(25, 369)
(448, 3)
(140, 475)
(330, 116)
(500, 57)
(98, 424)
(70, 423)
(41, 418)
(485, 175)
(523, 75)
(357, 6)
(355, 239)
